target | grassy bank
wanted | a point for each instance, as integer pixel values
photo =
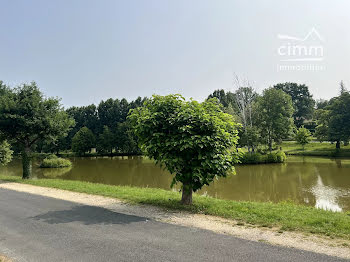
(285, 216)
(315, 149)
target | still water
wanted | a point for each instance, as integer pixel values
(320, 182)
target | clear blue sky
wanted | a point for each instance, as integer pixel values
(85, 51)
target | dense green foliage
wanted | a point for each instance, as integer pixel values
(303, 136)
(27, 117)
(285, 216)
(105, 141)
(194, 141)
(83, 141)
(5, 153)
(274, 110)
(53, 161)
(302, 101)
(334, 120)
(257, 158)
(109, 114)
(227, 99)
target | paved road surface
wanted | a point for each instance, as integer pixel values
(36, 228)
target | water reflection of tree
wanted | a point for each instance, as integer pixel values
(270, 182)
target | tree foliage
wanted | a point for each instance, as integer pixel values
(5, 153)
(339, 119)
(194, 141)
(302, 101)
(110, 113)
(83, 141)
(274, 111)
(333, 120)
(303, 136)
(26, 117)
(106, 141)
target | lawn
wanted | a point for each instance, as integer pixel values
(315, 149)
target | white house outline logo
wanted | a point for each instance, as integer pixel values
(295, 49)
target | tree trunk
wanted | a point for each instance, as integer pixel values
(27, 163)
(186, 194)
(337, 145)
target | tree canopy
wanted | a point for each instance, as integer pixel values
(26, 117)
(274, 111)
(83, 141)
(303, 136)
(303, 102)
(194, 141)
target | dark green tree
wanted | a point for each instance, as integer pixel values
(274, 111)
(249, 137)
(339, 119)
(106, 141)
(83, 141)
(125, 139)
(26, 117)
(302, 101)
(227, 100)
(195, 141)
(322, 122)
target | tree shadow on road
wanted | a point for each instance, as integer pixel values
(88, 215)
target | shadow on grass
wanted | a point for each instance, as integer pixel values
(88, 215)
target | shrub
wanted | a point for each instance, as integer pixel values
(53, 161)
(271, 158)
(257, 158)
(281, 156)
(251, 158)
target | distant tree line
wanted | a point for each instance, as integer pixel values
(286, 111)
(104, 127)
(42, 125)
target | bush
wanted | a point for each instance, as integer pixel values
(281, 157)
(52, 161)
(271, 158)
(251, 158)
(257, 158)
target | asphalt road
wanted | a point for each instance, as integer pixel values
(36, 228)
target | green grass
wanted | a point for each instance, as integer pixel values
(285, 216)
(315, 149)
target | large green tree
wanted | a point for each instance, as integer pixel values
(83, 141)
(194, 141)
(125, 139)
(110, 113)
(26, 117)
(274, 111)
(106, 141)
(338, 118)
(302, 101)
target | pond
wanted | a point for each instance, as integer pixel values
(320, 182)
